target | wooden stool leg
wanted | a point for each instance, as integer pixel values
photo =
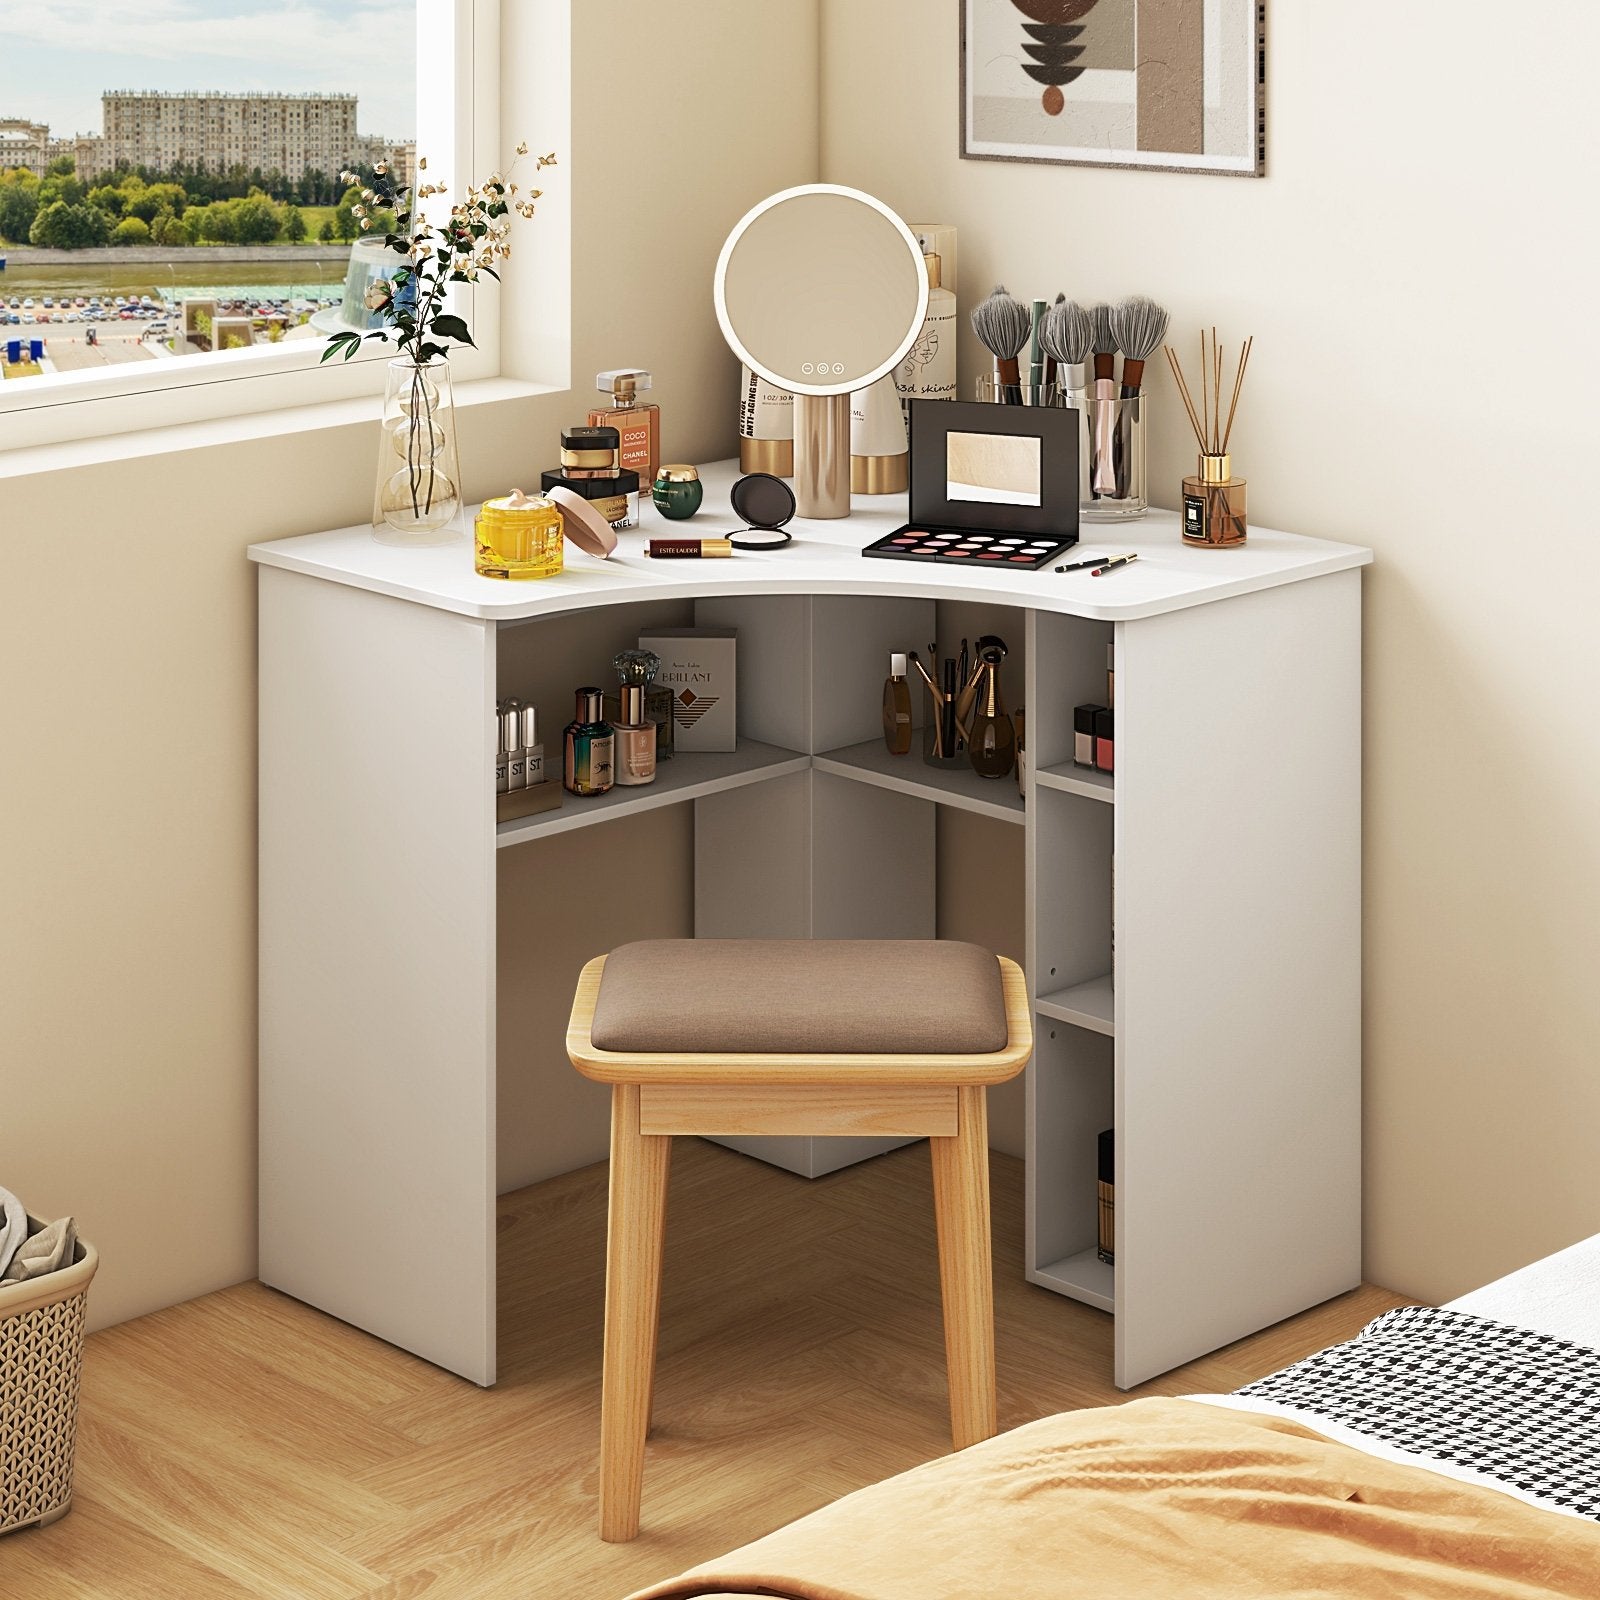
(634, 1232)
(961, 1204)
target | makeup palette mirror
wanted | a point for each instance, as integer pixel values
(821, 290)
(993, 468)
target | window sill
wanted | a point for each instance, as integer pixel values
(39, 460)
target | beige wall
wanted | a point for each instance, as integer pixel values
(1417, 270)
(127, 915)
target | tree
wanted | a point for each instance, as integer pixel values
(130, 231)
(327, 233)
(60, 226)
(294, 224)
(19, 204)
(110, 198)
(257, 219)
(169, 231)
(62, 167)
(149, 200)
(214, 222)
(344, 217)
(61, 186)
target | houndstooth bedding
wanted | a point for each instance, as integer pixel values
(1507, 1403)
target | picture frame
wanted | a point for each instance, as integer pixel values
(1166, 85)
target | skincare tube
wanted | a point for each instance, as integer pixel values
(879, 459)
(766, 426)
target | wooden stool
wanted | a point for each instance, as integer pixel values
(734, 1037)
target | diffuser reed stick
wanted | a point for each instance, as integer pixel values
(1213, 499)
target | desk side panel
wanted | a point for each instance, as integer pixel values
(1238, 975)
(377, 965)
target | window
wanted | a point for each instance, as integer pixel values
(130, 376)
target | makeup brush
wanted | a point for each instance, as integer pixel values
(1068, 336)
(1002, 325)
(1103, 431)
(1035, 349)
(1138, 325)
(1049, 358)
(1105, 342)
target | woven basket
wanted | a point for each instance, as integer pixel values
(41, 1362)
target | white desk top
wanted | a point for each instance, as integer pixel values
(824, 558)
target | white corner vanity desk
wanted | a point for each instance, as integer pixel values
(1203, 998)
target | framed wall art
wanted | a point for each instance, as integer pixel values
(1175, 85)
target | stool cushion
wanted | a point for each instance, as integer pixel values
(801, 997)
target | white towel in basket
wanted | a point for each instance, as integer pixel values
(27, 1256)
(13, 1227)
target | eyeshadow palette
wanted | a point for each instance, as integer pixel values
(996, 550)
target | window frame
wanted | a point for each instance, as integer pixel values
(459, 47)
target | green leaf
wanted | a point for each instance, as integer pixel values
(451, 327)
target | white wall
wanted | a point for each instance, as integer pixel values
(127, 865)
(1418, 271)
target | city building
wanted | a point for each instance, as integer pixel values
(24, 144)
(288, 133)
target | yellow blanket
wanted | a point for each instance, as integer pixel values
(1164, 1500)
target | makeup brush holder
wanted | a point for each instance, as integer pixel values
(1113, 457)
(991, 391)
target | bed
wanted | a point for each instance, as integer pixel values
(1445, 1453)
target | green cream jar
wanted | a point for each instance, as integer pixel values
(677, 492)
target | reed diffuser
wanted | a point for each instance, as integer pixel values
(1213, 499)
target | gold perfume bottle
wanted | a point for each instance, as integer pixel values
(1214, 505)
(637, 422)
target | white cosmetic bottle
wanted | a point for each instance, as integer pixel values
(879, 460)
(929, 369)
(766, 426)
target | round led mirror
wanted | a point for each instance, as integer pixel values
(821, 290)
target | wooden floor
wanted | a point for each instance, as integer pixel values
(245, 1445)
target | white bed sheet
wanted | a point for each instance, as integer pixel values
(1559, 1296)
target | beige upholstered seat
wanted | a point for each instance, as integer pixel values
(801, 997)
(728, 1037)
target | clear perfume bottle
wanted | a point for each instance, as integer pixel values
(640, 667)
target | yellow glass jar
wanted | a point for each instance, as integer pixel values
(518, 536)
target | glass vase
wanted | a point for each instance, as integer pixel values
(418, 495)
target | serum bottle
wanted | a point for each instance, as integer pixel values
(516, 760)
(590, 747)
(635, 740)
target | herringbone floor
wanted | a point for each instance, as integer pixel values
(245, 1445)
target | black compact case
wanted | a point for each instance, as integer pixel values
(977, 532)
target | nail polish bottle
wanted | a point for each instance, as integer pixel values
(590, 747)
(635, 740)
(532, 750)
(897, 707)
(1104, 743)
(1083, 734)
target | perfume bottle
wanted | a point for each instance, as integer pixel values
(637, 422)
(590, 747)
(636, 740)
(991, 737)
(640, 667)
(897, 707)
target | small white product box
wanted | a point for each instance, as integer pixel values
(699, 667)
